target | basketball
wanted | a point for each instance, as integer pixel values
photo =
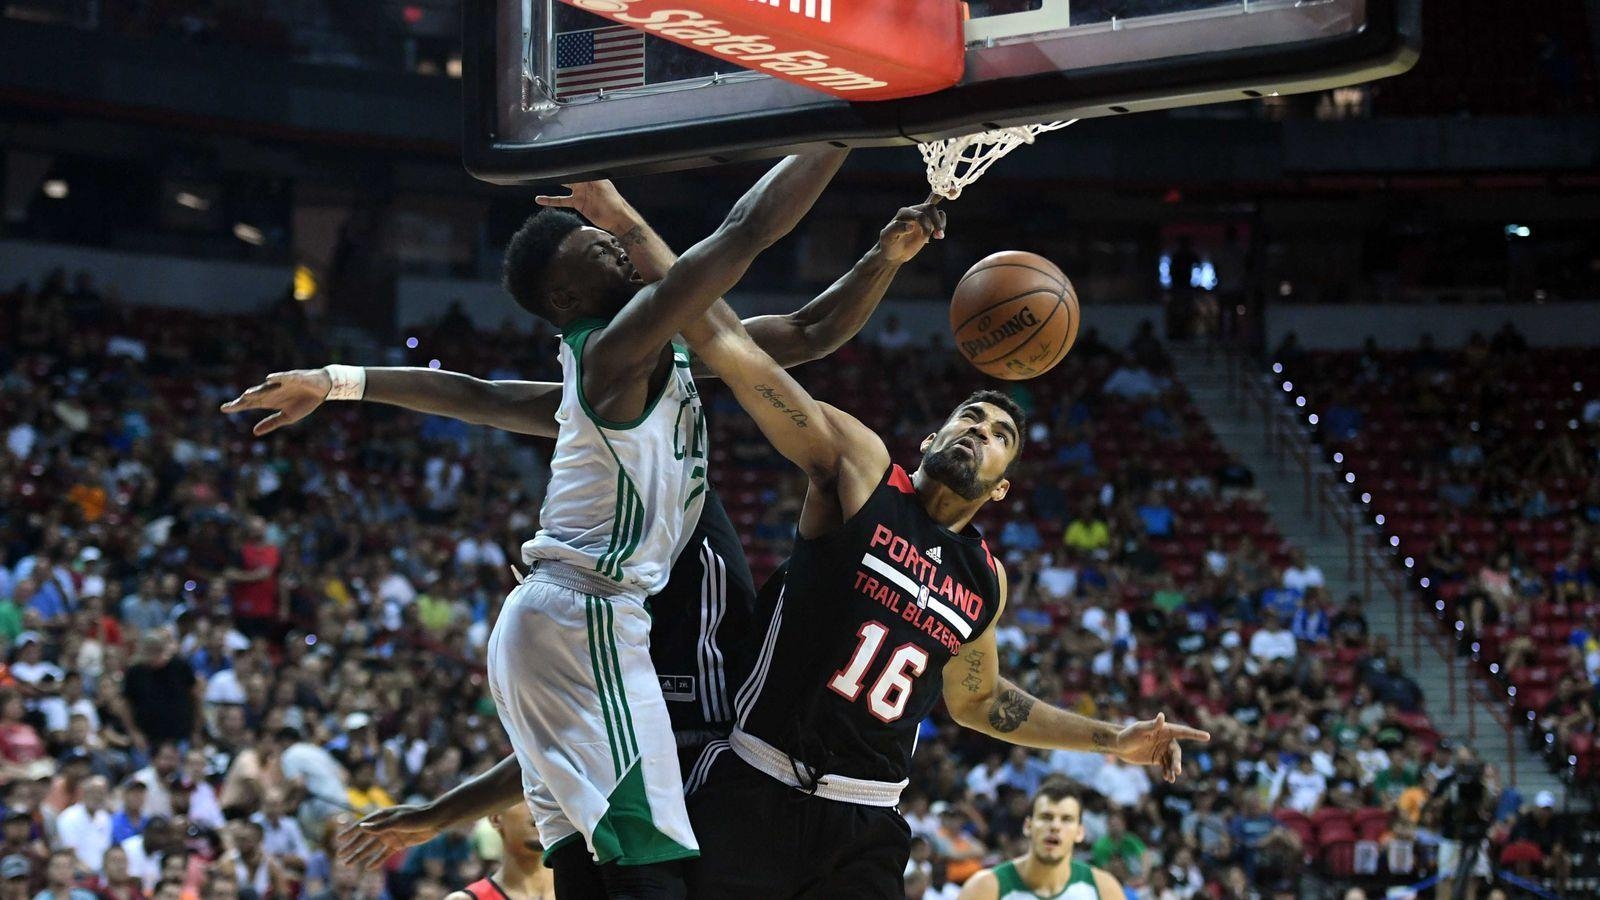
(1014, 315)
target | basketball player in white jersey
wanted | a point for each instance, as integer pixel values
(568, 661)
(1048, 872)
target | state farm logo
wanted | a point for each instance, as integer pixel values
(754, 51)
(821, 10)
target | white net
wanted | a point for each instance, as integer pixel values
(954, 163)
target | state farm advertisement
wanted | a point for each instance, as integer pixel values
(882, 50)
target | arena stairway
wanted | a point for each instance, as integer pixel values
(1239, 428)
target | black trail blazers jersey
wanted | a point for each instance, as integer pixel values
(866, 618)
(703, 631)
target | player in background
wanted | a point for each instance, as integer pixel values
(522, 874)
(889, 602)
(1048, 872)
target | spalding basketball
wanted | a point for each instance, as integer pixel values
(1014, 315)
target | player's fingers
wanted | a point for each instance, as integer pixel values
(376, 854)
(269, 424)
(1140, 729)
(551, 200)
(257, 397)
(1185, 733)
(364, 850)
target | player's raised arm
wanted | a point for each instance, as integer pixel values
(979, 698)
(818, 438)
(838, 313)
(633, 340)
(811, 332)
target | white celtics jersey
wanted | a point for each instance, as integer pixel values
(623, 496)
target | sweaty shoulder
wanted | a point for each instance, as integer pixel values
(983, 885)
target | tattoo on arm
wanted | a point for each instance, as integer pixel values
(1101, 739)
(1010, 710)
(771, 395)
(632, 237)
(972, 680)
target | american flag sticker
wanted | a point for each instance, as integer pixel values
(598, 59)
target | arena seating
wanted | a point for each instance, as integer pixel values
(1424, 418)
(358, 482)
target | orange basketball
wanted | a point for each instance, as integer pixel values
(1014, 315)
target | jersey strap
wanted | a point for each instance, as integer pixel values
(764, 757)
(1007, 881)
(486, 889)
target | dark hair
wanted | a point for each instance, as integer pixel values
(529, 253)
(289, 734)
(1010, 407)
(1055, 789)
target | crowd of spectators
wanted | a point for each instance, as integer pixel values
(1485, 462)
(218, 648)
(217, 645)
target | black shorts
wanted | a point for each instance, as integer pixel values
(761, 838)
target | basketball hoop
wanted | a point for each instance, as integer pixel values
(954, 163)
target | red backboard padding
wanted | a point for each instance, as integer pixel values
(883, 50)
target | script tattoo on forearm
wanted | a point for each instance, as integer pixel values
(1011, 708)
(797, 416)
(972, 680)
(1101, 738)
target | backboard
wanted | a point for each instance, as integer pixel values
(555, 93)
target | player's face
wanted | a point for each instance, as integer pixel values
(971, 452)
(517, 830)
(1053, 828)
(591, 265)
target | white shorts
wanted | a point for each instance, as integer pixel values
(1450, 859)
(571, 677)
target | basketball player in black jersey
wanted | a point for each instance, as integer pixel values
(702, 639)
(889, 602)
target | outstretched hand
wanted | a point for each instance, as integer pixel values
(598, 201)
(292, 396)
(380, 835)
(1154, 742)
(912, 228)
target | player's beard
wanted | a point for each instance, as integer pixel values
(956, 471)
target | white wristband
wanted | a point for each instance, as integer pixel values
(349, 382)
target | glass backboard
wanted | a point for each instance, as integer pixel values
(553, 92)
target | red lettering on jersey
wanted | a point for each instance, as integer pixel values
(880, 535)
(900, 480)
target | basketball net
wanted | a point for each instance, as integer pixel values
(954, 163)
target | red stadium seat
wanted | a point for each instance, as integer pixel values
(1339, 858)
(1371, 823)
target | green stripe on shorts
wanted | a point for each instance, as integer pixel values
(592, 614)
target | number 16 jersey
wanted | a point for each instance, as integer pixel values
(864, 621)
